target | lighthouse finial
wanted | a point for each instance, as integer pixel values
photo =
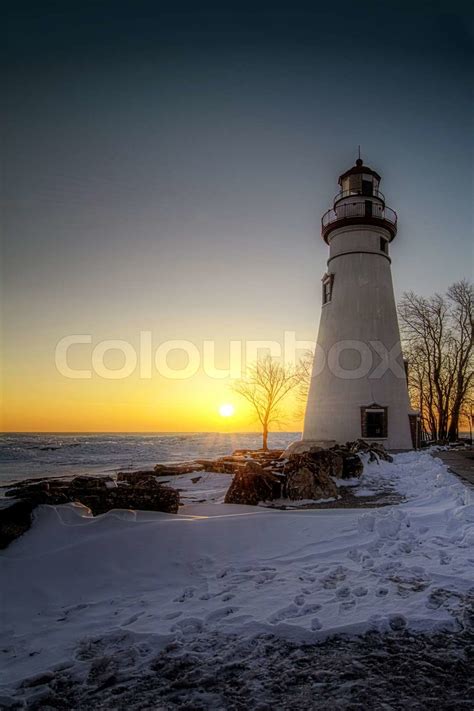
(359, 160)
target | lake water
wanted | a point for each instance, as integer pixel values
(24, 456)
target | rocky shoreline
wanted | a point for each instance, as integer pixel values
(258, 476)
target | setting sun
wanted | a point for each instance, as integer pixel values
(226, 410)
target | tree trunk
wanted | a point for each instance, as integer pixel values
(453, 431)
(265, 437)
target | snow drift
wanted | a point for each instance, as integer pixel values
(132, 582)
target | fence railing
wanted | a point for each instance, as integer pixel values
(369, 210)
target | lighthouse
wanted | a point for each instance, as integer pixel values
(358, 387)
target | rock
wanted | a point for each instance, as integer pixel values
(352, 465)
(305, 445)
(375, 450)
(41, 492)
(90, 482)
(252, 484)
(134, 477)
(308, 475)
(221, 466)
(258, 454)
(101, 494)
(327, 461)
(175, 469)
(15, 519)
(145, 495)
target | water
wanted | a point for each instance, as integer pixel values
(24, 456)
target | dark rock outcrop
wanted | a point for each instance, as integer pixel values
(352, 465)
(100, 494)
(252, 484)
(135, 477)
(15, 519)
(375, 450)
(175, 469)
(308, 475)
(238, 460)
(145, 495)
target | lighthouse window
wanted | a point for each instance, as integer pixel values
(373, 422)
(327, 287)
(367, 187)
(383, 245)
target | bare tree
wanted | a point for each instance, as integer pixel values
(266, 385)
(305, 367)
(467, 414)
(461, 298)
(438, 342)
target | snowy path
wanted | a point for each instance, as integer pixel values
(125, 585)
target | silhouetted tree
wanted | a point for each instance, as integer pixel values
(266, 385)
(438, 343)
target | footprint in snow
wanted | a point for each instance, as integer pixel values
(438, 598)
(316, 624)
(444, 558)
(266, 576)
(336, 576)
(172, 615)
(284, 614)
(132, 619)
(347, 605)
(185, 595)
(191, 625)
(221, 614)
(305, 578)
(293, 611)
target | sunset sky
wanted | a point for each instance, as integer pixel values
(166, 172)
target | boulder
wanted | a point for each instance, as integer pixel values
(308, 475)
(375, 450)
(252, 484)
(352, 465)
(15, 519)
(301, 446)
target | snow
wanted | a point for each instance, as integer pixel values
(130, 583)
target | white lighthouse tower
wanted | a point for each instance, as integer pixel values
(358, 387)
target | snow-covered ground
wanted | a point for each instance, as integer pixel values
(125, 585)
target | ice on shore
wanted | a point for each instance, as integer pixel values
(128, 583)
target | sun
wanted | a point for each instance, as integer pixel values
(226, 410)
